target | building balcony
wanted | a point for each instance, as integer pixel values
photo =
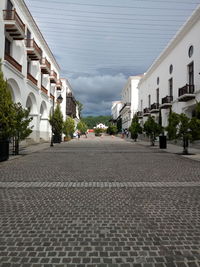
(44, 90)
(14, 26)
(59, 84)
(13, 62)
(34, 52)
(155, 108)
(166, 102)
(53, 77)
(32, 79)
(45, 66)
(186, 93)
(139, 114)
(146, 112)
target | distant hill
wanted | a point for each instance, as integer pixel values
(92, 121)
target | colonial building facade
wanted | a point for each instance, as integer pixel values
(29, 66)
(173, 80)
(129, 101)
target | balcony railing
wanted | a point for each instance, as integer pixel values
(44, 90)
(186, 93)
(13, 62)
(14, 25)
(33, 50)
(167, 99)
(59, 84)
(155, 107)
(45, 66)
(187, 89)
(139, 114)
(53, 76)
(146, 111)
(127, 104)
(32, 79)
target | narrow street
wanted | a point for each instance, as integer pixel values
(100, 202)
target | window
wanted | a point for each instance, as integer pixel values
(191, 73)
(9, 5)
(158, 80)
(7, 47)
(171, 87)
(171, 69)
(190, 51)
(141, 105)
(149, 100)
(28, 67)
(28, 34)
(157, 96)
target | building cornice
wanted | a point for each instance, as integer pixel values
(187, 26)
(22, 5)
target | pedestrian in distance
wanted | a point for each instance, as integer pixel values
(79, 135)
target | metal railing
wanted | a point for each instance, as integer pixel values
(167, 99)
(187, 89)
(146, 110)
(155, 106)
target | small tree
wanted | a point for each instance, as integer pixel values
(135, 128)
(21, 127)
(184, 131)
(152, 129)
(173, 121)
(6, 109)
(69, 127)
(56, 121)
(112, 130)
(82, 127)
(195, 128)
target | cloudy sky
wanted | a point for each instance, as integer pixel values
(99, 43)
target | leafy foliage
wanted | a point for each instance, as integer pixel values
(98, 131)
(69, 127)
(82, 127)
(172, 127)
(135, 128)
(112, 129)
(56, 121)
(7, 111)
(92, 121)
(195, 128)
(152, 129)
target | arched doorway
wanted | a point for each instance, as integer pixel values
(14, 90)
(44, 122)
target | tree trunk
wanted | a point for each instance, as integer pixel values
(185, 145)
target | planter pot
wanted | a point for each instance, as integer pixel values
(57, 138)
(4, 150)
(66, 139)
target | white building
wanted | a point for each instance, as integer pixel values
(29, 66)
(69, 106)
(173, 80)
(115, 109)
(129, 101)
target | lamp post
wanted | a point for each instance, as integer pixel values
(59, 101)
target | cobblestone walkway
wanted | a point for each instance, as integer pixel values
(100, 203)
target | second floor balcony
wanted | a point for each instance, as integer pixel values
(146, 112)
(45, 66)
(34, 52)
(14, 26)
(59, 84)
(155, 108)
(139, 114)
(32, 79)
(53, 77)
(166, 102)
(186, 93)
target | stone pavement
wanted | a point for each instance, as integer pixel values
(100, 202)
